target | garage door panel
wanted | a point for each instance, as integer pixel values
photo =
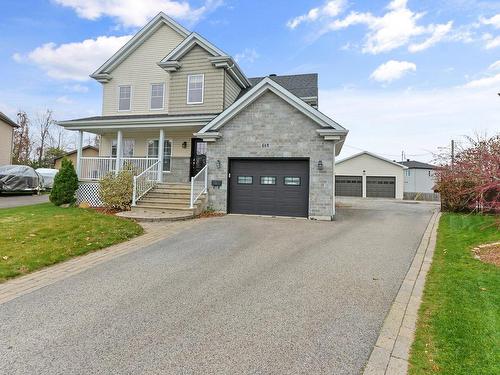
(283, 190)
(380, 187)
(349, 186)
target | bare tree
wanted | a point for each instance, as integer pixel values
(43, 123)
(22, 144)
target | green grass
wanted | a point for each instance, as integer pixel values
(458, 329)
(32, 237)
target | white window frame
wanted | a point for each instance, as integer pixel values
(151, 96)
(114, 140)
(171, 150)
(130, 103)
(202, 87)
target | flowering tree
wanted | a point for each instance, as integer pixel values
(472, 181)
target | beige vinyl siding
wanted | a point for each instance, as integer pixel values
(140, 70)
(196, 62)
(231, 90)
(6, 132)
(141, 139)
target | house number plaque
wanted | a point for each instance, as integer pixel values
(265, 145)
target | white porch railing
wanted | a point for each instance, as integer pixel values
(145, 181)
(199, 185)
(95, 168)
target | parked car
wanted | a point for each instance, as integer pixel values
(48, 175)
(15, 178)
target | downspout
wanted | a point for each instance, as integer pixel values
(333, 182)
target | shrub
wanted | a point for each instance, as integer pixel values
(116, 190)
(65, 184)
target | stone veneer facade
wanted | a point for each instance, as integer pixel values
(269, 120)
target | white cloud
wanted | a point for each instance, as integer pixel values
(490, 81)
(492, 21)
(495, 65)
(137, 13)
(438, 34)
(491, 41)
(392, 70)
(411, 120)
(74, 61)
(77, 88)
(247, 55)
(64, 100)
(330, 9)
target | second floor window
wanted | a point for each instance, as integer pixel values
(157, 92)
(195, 88)
(125, 94)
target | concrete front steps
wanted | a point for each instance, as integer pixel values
(167, 202)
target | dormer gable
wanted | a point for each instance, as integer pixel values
(219, 59)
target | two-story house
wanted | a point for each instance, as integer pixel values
(419, 177)
(184, 116)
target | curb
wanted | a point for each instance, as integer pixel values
(392, 349)
(22, 285)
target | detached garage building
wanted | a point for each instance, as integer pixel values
(369, 176)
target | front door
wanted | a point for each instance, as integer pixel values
(198, 156)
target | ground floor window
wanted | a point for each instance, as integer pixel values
(128, 148)
(167, 152)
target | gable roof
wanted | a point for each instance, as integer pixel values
(373, 156)
(102, 73)
(219, 59)
(329, 129)
(413, 164)
(88, 147)
(301, 85)
(8, 121)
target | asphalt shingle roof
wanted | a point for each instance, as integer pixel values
(301, 85)
(416, 164)
(125, 117)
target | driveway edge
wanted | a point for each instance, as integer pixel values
(19, 286)
(392, 349)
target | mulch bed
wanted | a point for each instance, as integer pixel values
(207, 214)
(106, 211)
(488, 253)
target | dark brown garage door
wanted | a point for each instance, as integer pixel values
(380, 187)
(269, 187)
(349, 186)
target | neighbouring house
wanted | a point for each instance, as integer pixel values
(87, 151)
(369, 175)
(7, 127)
(419, 177)
(198, 131)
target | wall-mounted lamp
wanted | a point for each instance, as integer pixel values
(184, 144)
(218, 164)
(320, 165)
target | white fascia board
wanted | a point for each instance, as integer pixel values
(143, 34)
(374, 156)
(256, 92)
(131, 123)
(208, 137)
(188, 43)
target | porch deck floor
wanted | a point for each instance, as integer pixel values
(156, 215)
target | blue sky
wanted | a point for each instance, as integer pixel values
(400, 75)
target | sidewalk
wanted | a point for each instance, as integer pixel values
(154, 232)
(391, 352)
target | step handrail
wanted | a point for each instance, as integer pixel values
(204, 172)
(142, 184)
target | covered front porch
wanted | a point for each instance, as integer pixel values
(154, 155)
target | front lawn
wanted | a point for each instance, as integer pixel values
(458, 328)
(32, 237)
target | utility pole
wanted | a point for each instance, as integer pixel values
(402, 156)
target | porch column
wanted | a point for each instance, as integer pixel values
(119, 152)
(79, 143)
(333, 172)
(161, 142)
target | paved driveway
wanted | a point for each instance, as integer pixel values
(230, 295)
(7, 201)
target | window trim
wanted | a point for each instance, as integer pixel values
(244, 183)
(275, 180)
(123, 143)
(202, 87)
(171, 151)
(151, 96)
(130, 102)
(285, 184)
